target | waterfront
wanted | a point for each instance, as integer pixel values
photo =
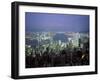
(52, 49)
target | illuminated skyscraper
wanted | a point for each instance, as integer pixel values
(75, 40)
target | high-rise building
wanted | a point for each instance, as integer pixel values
(75, 39)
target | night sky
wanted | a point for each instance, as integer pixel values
(39, 22)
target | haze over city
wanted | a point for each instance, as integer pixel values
(53, 40)
(37, 22)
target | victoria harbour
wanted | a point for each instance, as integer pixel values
(55, 40)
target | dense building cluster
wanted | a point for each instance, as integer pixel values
(48, 49)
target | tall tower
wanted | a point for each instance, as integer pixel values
(75, 40)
